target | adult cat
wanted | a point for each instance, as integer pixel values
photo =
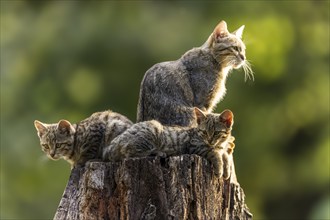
(170, 90)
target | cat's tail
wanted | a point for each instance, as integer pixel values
(140, 108)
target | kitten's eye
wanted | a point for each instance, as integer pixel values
(221, 135)
(236, 48)
(45, 146)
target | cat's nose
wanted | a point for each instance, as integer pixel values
(52, 153)
(241, 56)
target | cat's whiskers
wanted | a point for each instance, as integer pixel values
(231, 61)
(247, 71)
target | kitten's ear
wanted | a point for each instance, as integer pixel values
(239, 32)
(65, 127)
(41, 128)
(200, 116)
(227, 117)
(221, 30)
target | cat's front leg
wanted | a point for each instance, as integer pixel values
(211, 154)
(226, 165)
(215, 157)
(221, 162)
(227, 157)
(217, 162)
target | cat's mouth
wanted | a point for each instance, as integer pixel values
(234, 62)
(54, 157)
(240, 63)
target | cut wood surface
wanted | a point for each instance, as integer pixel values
(181, 187)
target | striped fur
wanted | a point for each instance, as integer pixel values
(83, 141)
(209, 139)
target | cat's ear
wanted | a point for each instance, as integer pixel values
(221, 30)
(65, 127)
(41, 128)
(200, 116)
(227, 117)
(239, 32)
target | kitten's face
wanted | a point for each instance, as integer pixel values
(229, 49)
(214, 128)
(56, 140)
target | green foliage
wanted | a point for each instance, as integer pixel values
(68, 59)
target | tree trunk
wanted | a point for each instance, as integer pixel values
(181, 187)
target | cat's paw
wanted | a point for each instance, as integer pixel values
(161, 154)
(217, 172)
(230, 145)
(226, 166)
(156, 153)
(217, 163)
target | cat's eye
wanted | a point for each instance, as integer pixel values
(238, 49)
(220, 134)
(45, 146)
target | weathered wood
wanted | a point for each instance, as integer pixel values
(182, 187)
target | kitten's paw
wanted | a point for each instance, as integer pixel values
(217, 163)
(225, 177)
(231, 139)
(230, 145)
(217, 171)
(226, 174)
(226, 166)
(157, 153)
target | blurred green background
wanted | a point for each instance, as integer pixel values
(62, 59)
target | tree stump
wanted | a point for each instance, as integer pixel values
(180, 187)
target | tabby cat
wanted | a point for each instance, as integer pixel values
(83, 141)
(170, 90)
(209, 139)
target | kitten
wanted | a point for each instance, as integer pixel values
(208, 139)
(170, 90)
(83, 141)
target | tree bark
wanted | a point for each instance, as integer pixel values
(181, 187)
